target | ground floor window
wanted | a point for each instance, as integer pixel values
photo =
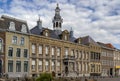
(18, 66)
(25, 66)
(33, 64)
(10, 66)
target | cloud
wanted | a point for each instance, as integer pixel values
(99, 19)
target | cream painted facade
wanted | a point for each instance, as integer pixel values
(73, 56)
(13, 70)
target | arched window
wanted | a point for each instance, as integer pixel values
(60, 24)
(56, 24)
(12, 26)
(24, 28)
(1, 45)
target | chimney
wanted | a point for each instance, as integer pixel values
(71, 32)
(39, 23)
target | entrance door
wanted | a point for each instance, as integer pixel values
(111, 71)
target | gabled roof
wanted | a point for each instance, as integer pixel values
(87, 40)
(108, 45)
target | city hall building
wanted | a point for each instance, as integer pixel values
(25, 52)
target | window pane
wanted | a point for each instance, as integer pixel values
(33, 48)
(10, 52)
(18, 66)
(66, 51)
(22, 41)
(40, 49)
(14, 40)
(10, 66)
(53, 50)
(40, 65)
(46, 65)
(18, 52)
(47, 50)
(25, 66)
(58, 51)
(33, 64)
(25, 53)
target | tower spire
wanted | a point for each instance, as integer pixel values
(39, 17)
(57, 20)
(57, 5)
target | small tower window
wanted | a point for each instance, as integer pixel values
(24, 28)
(12, 26)
(60, 24)
(56, 24)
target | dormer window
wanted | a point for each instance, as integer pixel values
(46, 33)
(24, 28)
(65, 37)
(79, 41)
(12, 26)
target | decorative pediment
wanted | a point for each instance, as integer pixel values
(65, 35)
(79, 40)
(46, 32)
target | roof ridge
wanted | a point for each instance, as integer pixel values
(5, 16)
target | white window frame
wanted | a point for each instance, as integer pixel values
(40, 49)
(53, 51)
(47, 50)
(66, 51)
(58, 51)
(33, 48)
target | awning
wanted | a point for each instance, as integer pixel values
(117, 67)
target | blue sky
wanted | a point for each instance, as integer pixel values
(98, 18)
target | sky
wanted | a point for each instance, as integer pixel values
(99, 19)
